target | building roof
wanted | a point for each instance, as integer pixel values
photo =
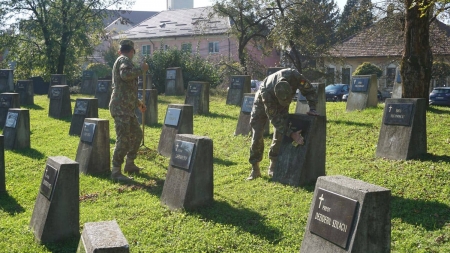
(126, 16)
(181, 22)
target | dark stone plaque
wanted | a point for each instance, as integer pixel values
(247, 104)
(195, 89)
(171, 74)
(81, 107)
(20, 85)
(48, 181)
(11, 119)
(56, 80)
(360, 84)
(87, 134)
(172, 116)
(4, 73)
(237, 82)
(398, 114)
(56, 93)
(181, 154)
(102, 87)
(5, 102)
(88, 74)
(333, 216)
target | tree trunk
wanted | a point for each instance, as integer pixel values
(417, 59)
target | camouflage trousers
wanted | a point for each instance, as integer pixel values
(128, 139)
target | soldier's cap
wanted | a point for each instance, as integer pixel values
(283, 92)
(124, 43)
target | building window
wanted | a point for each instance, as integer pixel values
(390, 76)
(146, 50)
(346, 75)
(166, 47)
(330, 75)
(213, 47)
(186, 47)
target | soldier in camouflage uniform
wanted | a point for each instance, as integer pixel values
(272, 103)
(122, 107)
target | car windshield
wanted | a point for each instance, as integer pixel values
(441, 91)
(332, 87)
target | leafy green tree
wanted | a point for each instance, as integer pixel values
(367, 68)
(101, 70)
(356, 16)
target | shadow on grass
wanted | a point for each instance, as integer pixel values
(437, 110)
(430, 215)
(10, 204)
(246, 219)
(66, 246)
(215, 115)
(350, 123)
(34, 107)
(29, 152)
(223, 162)
(433, 158)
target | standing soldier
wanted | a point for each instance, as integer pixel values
(122, 107)
(272, 102)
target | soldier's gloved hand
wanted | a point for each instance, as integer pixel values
(142, 108)
(312, 112)
(144, 66)
(297, 137)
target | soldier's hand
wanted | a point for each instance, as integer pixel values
(297, 137)
(142, 108)
(144, 66)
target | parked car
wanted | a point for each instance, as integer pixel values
(334, 92)
(255, 85)
(440, 96)
(345, 97)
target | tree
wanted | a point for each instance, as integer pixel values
(356, 16)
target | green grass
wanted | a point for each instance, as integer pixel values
(255, 216)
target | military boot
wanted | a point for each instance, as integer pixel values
(256, 172)
(271, 167)
(130, 167)
(116, 175)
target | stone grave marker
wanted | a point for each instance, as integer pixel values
(39, 86)
(6, 80)
(243, 126)
(56, 214)
(397, 90)
(174, 82)
(148, 79)
(197, 95)
(189, 180)
(2, 165)
(303, 164)
(239, 85)
(26, 92)
(178, 120)
(403, 131)
(363, 93)
(60, 106)
(89, 82)
(348, 216)
(103, 93)
(56, 79)
(302, 106)
(84, 108)
(93, 153)
(102, 237)
(272, 70)
(7, 100)
(17, 129)
(151, 101)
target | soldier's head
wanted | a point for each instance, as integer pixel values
(283, 91)
(127, 48)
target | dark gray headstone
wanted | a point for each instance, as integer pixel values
(243, 125)
(17, 129)
(56, 79)
(6, 80)
(8, 100)
(403, 130)
(174, 82)
(238, 86)
(178, 120)
(303, 164)
(189, 181)
(272, 70)
(151, 101)
(348, 216)
(93, 152)
(56, 214)
(103, 93)
(148, 82)
(60, 106)
(84, 108)
(363, 93)
(302, 106)
(197, 95)
(2, 165)
(102, 237)
(26, 92)
(88, 82)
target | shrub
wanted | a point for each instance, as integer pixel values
(367, 68)
(101, 70)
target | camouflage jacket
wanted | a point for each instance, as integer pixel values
(277, 113)
(124, 98)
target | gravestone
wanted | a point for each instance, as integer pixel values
(272, 70)
(151, 101)
(88, 83)
(239, 85)
(302, 106)
(56, 79)
(403, 133)
(56, 214)
(189, 181)
(7, 100)
(84, 108)
(174, 82)
(303, 164)
(39, 86)
(17, 129)
(243, 126)
(348, 216)
(178, 120)
(148, 80)
(60, 106)
(2, 165)
(6, 80)
(103, 93)
(102, 237)
(397, 90)
(93, 152)
(363, 93)
(197, 95)
(26, 92)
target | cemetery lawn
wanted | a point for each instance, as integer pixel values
(246, 216)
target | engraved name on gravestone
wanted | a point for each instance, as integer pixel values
(88, 74)
(5, 102)
(81, 107)
(48, 181)
(11, 119)
(398, 114)
(20, 85)
(171, 74)
(247, 104)
(181, 154)
(237, 82)
(195, 89)
(4, 73)
(333, 217)
(360, 84)
(102, 87)
(56, 80)
(172, 116)
(87, 134)
(56, 93)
